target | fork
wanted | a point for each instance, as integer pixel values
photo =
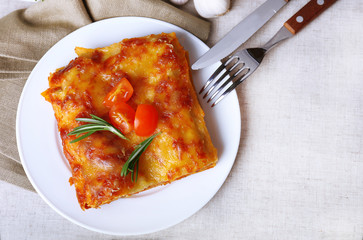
(240, 65)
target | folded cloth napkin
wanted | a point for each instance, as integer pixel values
(25, 35)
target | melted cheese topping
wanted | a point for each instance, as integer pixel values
(158, 70)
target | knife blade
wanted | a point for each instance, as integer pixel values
(240, 33)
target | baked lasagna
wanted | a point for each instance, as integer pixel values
(157, 68)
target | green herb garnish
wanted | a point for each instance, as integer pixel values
(98, 124)
(132, 164)
(95, 124)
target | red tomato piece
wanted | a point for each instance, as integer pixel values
(146, 120)
(122, 117)
(122, 92)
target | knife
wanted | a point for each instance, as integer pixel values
(240, 33)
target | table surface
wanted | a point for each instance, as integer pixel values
(299, 169)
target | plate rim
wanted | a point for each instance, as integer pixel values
(25, 165)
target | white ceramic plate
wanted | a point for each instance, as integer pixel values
(41, 152)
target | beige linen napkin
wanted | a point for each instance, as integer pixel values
(25, 35)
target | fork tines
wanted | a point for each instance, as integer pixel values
(230, 73)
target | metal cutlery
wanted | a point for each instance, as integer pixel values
(240, 65)
(240, 33)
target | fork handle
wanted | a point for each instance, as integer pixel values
(307, 14)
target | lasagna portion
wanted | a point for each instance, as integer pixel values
(157, 68)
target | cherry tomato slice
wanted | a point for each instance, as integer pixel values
(146, 120)
(122, 117)
(122, 92)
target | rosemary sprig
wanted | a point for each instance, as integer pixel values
(98, 124)
(132, 164)
(95, 124)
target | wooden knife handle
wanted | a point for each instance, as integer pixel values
(307, 14)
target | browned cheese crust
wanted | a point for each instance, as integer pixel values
(157, 68)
